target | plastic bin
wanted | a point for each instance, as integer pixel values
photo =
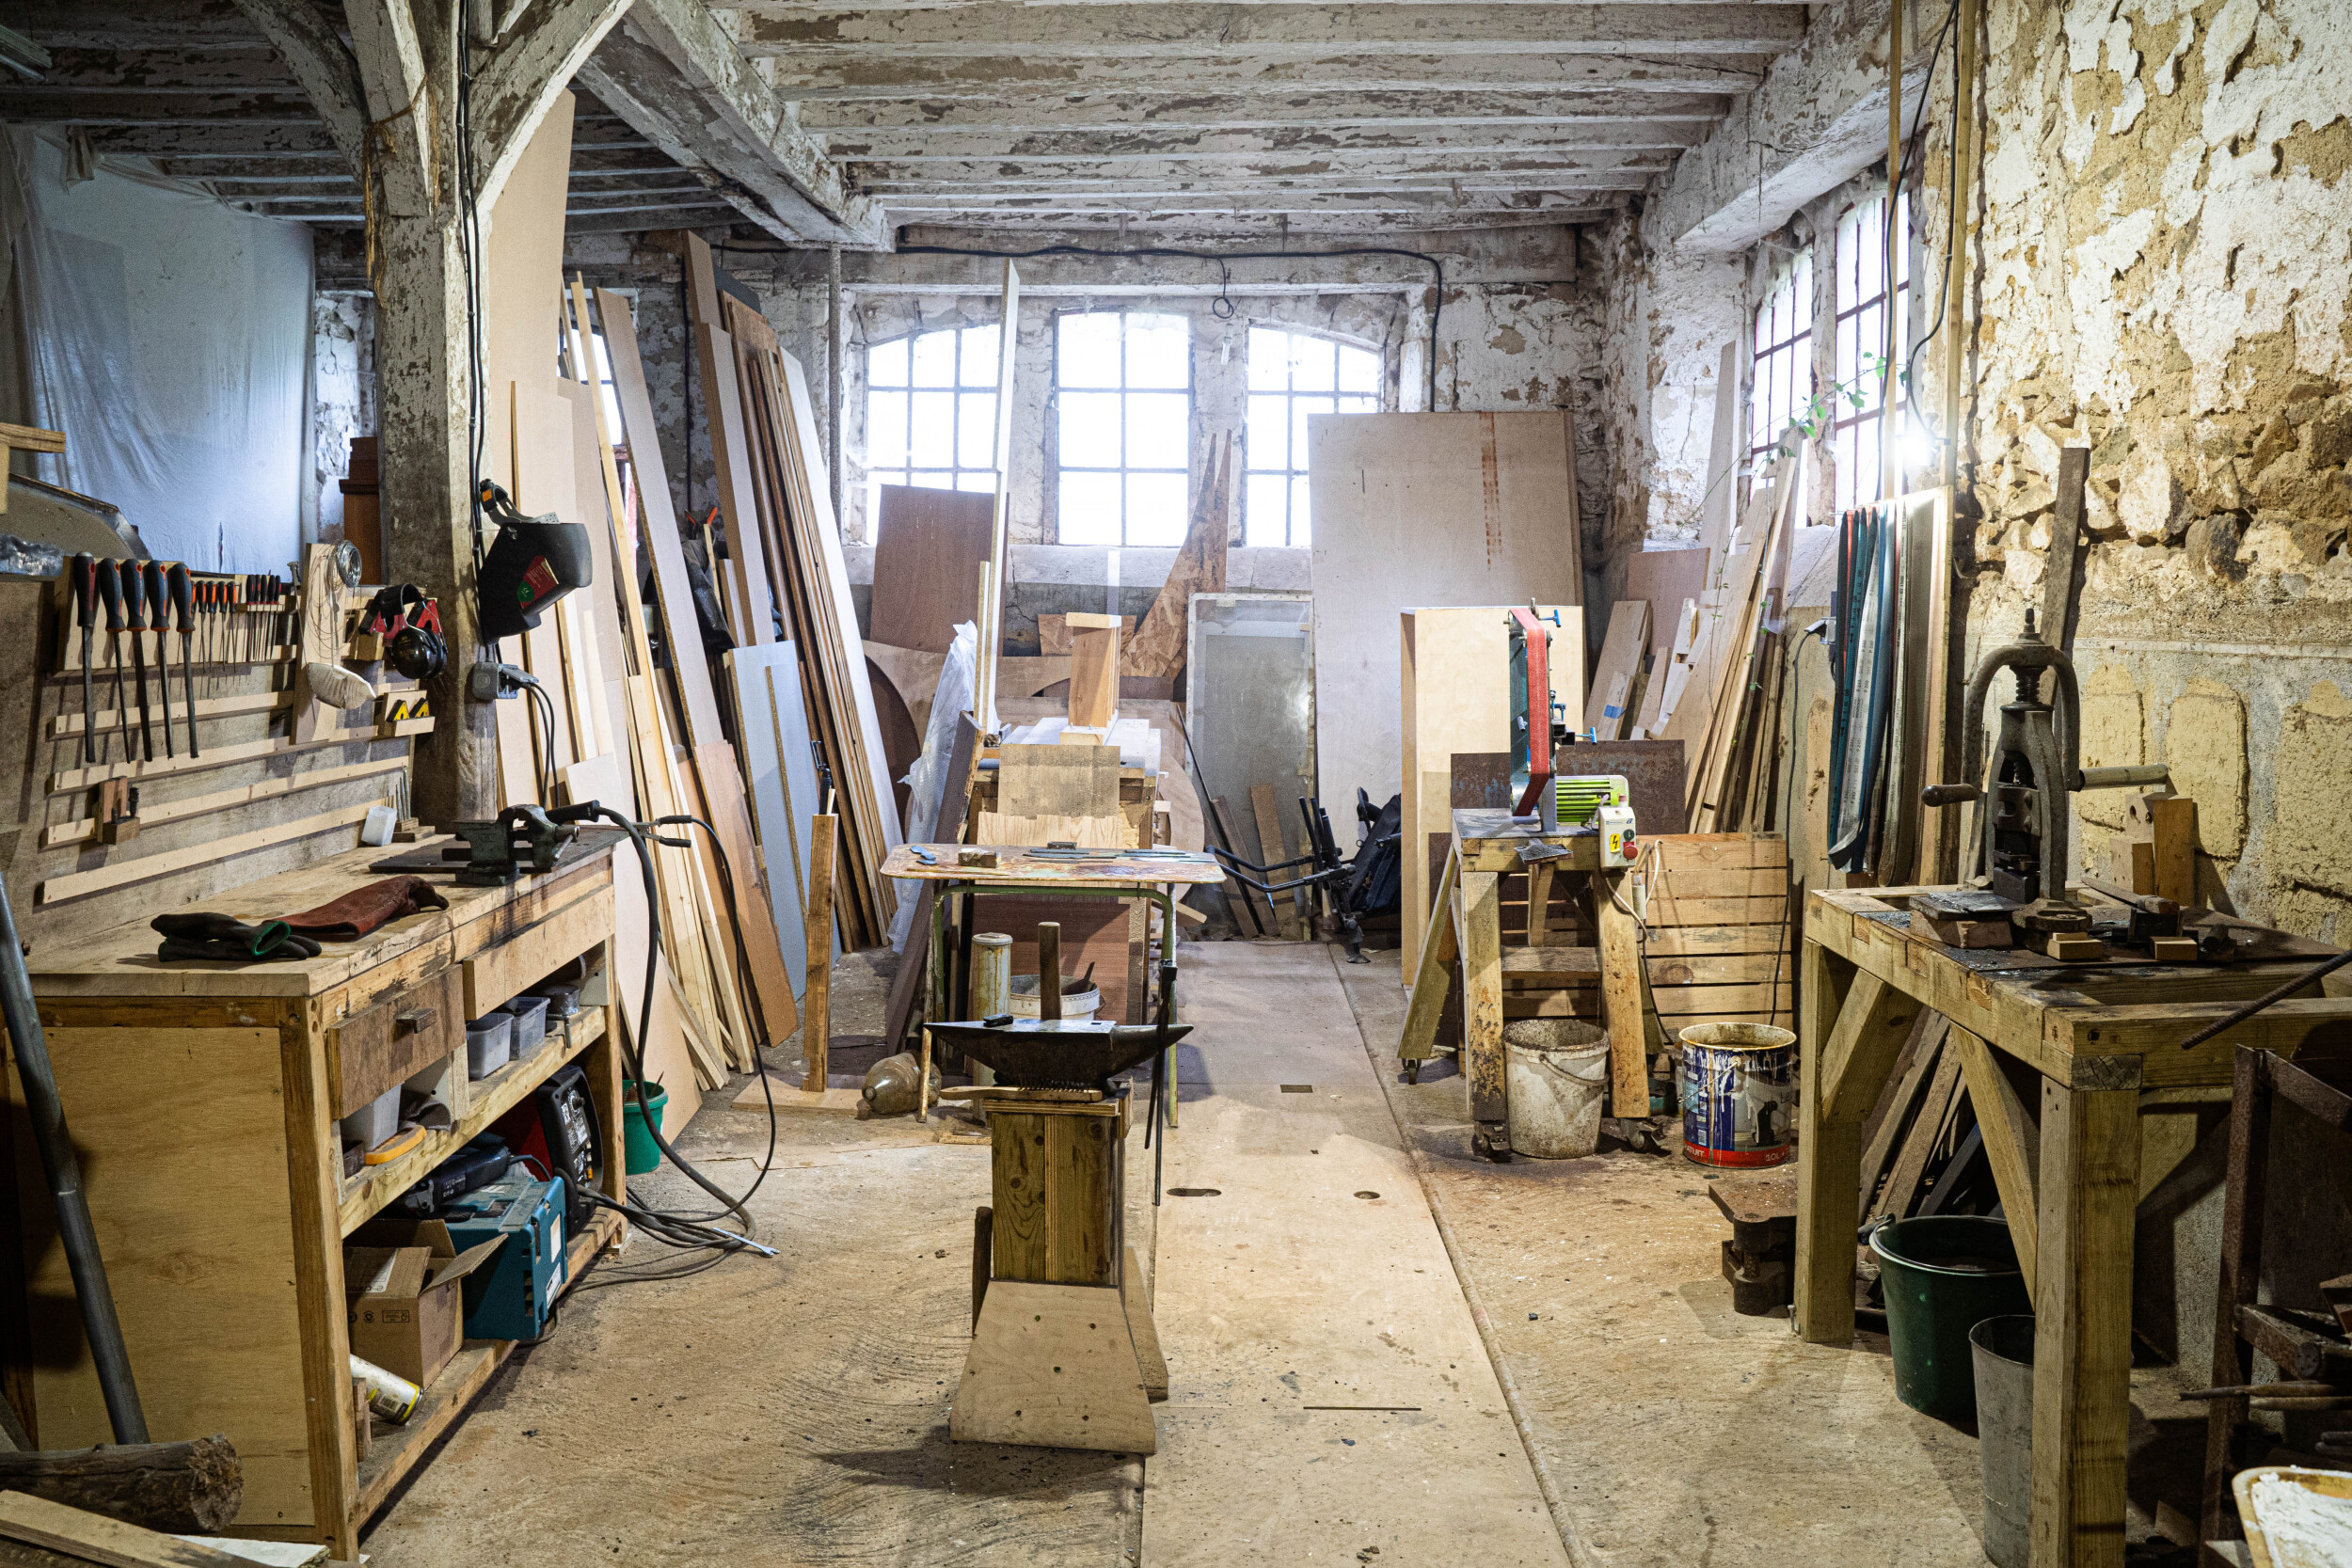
(1943, 1275)
(529, 1014)
(373, 1122)
(489, 1041)
(563, 997)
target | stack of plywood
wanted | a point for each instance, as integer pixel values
(1717, 943)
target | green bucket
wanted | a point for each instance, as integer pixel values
(643, 1156)
(1943, 1275)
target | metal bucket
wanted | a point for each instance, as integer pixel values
(1738, 1093)
(2003, 1351)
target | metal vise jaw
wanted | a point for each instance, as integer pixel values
(522, 838)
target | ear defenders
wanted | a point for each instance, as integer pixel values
(412, 636)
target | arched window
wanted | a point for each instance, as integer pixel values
(930, 412)
(1293, 376)
(1782, 389)
(1862, 305)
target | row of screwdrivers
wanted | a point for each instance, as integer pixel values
(138, 596)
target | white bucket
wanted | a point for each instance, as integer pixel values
(1021, 999)
(1555, 1088)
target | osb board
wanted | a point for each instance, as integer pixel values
(201, 1270)
(929, 550)
(1424, 509)
(1453, 698)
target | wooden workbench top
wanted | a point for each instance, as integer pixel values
(1491, 840)
(121, 961)
(1018, 867)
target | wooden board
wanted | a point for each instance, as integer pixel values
(723, 796)
(1607, 714)
(1157, 649)
(1426, 509)
(85, 1537)
(901, 736)
(773, 729)
(928, 548)
(1273, 850)
(1054, 1190)
(1054, 1366)
(1055, 792)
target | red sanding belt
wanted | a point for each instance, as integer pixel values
(356, 914)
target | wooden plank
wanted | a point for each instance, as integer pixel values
(2083, 1324)
(1479, 935)
(1861, 1048)
(1043, 784)
(991, 623)
(2012, 1143)
(2066, 530)
(1272, 849)
(1672, 911)
(1695, 941)
(499, 974)
(1432, 971)
(1094, 676)
(817, 1017)
(123, 873)
(2173, 837)
(1721, 969)
(929, 549)
(156, 813)
(723, 796)
(1606, 710)
(1826, 1175)
(1892, 1114)
(1621, 995)
(1766, 1002)
(1902, 1187)
(85, 1537)
(1052, 1366)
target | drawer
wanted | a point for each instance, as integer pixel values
(394, 1040)
(503, 973)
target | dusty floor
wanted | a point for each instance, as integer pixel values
(1331, 1392)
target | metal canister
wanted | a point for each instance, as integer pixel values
(1738, 1094)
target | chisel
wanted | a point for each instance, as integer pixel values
(156, 597)
(85, 571)
(110, 594)
(134, 609)
(183, 614)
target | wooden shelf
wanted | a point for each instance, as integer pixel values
(365, 1195)
(71, 778)
(394, 1451)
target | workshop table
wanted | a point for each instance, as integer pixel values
(2104, 1039)
(1150, 873)
(1486, 847)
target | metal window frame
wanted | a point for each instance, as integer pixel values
(1897, 299)
(1288, 393)
(1122, 469)
(904, 474)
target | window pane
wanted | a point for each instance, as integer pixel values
(1360, 370)
(1090, 430)
(1155, 509)
(1359, 406)
(984, 482)
(980, 357)
(975, 430)
(935, 360)
(931, 433)
(1261, 508)
(886, 429)
(1159, 351)
(1156, 438)
(1089, 509)
(1086, 349)
(1310, 364)
(1269, 431)
(1269, 360)
(931, 478)
(1300, 408)
(1299, 511)
(886, 364)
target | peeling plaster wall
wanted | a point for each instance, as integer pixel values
(343, 396)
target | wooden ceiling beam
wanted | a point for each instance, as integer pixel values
(1214, 72)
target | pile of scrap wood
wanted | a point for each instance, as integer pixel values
(702, 696)
(1722, 688)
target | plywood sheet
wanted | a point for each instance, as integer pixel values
(780, 766)
(1424, 509)
(928, 555)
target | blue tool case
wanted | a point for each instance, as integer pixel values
(515, 1295)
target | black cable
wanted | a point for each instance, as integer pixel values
(1951, 235)
(1437, 267)
(1902, 172)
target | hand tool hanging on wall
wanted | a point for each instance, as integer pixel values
(183, 615)
(156, 596)
(110, 594)
(83, 569)
(134, 610)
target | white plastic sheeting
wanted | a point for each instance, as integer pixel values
(928, 778)
(169, 339)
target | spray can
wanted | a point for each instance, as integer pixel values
(390, 1395)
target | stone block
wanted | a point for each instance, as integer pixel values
(2204, 746)
(2114, 735)
(2307, 844)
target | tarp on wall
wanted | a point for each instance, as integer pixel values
(169, 338)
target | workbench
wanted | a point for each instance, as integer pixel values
(1150, 875)
(1486, 848)
(203, 1098)
(2060, 1061)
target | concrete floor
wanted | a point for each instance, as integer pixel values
(795, 1410)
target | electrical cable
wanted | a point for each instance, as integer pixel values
(1902, 172)
(1951, 228)
(1437, 267)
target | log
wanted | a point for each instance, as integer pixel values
(177, 1488)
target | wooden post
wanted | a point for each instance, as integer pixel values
(2246, 1193)
(1270, 844)
(1049, 971)
(2012, 1143)
(1094, 671)
(2083, 1324)
(1831, 1165)
(1432, 974)
(817, 1009)
(923, 1081)
(1620, 998)
(1479, 910)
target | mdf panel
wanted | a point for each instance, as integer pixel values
(183, 1138)
(928, 548)
(1426, 509)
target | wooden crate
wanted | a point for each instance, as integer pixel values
(1719, 942)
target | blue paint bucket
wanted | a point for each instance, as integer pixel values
(1738, 1094)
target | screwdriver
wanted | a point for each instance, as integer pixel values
(155, 596)
(110, 594)
(134, 608)
(84, 581)
(184, 613)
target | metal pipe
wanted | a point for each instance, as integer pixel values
(57, 1161)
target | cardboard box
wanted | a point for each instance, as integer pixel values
(401, 1279)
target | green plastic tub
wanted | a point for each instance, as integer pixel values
(1943, 1275)
(642, 1156)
